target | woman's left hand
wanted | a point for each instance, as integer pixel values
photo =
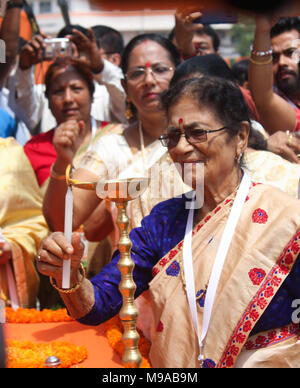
(5, 252)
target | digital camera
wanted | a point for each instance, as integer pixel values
(55, 47)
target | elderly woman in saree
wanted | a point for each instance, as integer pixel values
(230, 266)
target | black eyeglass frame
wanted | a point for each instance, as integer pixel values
(165, 139)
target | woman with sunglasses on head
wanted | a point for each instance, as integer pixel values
(222, 270)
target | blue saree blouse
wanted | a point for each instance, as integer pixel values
(160, 231)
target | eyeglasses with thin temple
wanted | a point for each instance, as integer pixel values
(192, 135)
(160, 71)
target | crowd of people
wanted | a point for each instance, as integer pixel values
(220, 146)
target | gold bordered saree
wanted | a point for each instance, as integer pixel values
(263, 251)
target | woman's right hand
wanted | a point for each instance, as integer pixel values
(54, 250)
(67, 139)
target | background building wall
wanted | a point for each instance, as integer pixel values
(129, 23)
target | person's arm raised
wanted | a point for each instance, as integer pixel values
(185, 29)
(9, 33)
(67, 139)
(274, 112)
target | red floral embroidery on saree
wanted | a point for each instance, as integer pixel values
(260, 216)
(256, 275)
(170, 255)
(258, 304)
(272, 337)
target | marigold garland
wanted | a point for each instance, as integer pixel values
(28, 354)
(114, 332)
(35, 316)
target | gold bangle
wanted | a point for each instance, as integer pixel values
(56, 176)
(74, 288)
(269, 60)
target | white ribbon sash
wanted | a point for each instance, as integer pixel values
(217, 266)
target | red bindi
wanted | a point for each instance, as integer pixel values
(180, 121)
(147, 64)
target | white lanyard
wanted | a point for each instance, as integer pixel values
(217, 266)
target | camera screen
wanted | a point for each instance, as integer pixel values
(57, 47)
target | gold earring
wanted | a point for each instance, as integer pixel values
(128, 111)
(238, 158)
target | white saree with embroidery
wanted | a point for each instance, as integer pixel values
(112, 158)
(264, 248)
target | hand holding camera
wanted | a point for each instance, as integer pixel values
(32, 52)
(87, 49)
(78, 45)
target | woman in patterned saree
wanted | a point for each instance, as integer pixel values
(223, 276)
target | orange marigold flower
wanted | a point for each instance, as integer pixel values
(28, 354)
(114, 331)
(35, 316)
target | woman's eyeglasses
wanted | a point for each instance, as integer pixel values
(160, 71)
(192, 135)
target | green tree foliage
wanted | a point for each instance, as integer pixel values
(242, 35)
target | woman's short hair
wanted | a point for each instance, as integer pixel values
(69, 63)
(164, 42)
(221, 95)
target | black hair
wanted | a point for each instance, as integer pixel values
(240, 71)
(207, 30)
(285, 24)
(67, 30)
(221, 95)
(109, 39)
(66, 62)
(164, 42)
(210, 64)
